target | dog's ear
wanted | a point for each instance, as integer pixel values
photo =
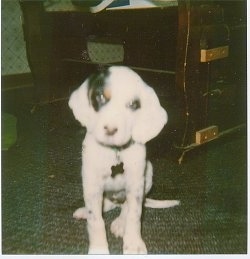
(81, 107)
(151, 117)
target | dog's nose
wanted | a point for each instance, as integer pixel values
(110, 131)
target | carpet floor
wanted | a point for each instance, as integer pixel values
(41, 188)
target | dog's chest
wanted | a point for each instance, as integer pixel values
(115, 184)
(116, 178)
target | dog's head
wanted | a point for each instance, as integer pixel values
(116, 106)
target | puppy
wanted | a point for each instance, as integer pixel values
(121, 113)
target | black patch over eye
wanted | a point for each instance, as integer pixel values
(96, 87)
(134, 105)
(99, 100)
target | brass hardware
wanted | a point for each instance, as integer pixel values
(206, 134)
(213, 54)
(221, 134)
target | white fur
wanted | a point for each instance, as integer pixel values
(97, 159)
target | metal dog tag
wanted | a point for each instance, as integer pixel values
(117, 169)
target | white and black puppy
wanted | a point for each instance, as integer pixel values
(121, 113)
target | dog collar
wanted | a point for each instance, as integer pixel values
(119, 148)
(123, 147)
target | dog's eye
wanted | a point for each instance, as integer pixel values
(134, 105)
(98, 100)
(101, 99)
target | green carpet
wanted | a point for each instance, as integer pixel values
(41, 188)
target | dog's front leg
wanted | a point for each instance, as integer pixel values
(93, 196)
(132, 240)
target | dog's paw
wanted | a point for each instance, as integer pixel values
(118, 227)
(80, 213)
(98, 250)
(134, 246)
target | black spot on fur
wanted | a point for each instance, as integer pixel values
(96, 86)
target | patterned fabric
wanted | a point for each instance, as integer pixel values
(104, 53)
(14, 60)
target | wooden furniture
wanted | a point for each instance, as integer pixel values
(211, 68)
